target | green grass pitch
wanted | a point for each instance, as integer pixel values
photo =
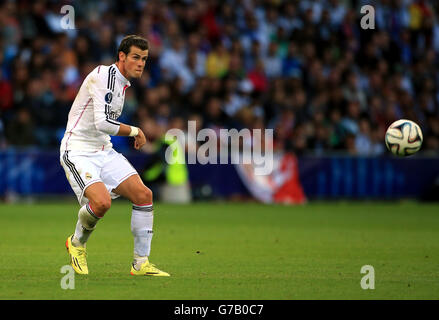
(229, 251)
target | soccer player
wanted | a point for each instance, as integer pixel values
(95, 171)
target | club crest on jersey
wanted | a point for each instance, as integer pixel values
(108, 97)
(88, 176)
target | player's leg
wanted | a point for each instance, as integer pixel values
(83, 176)
(141, 224)
(99, 201)
(142, 214)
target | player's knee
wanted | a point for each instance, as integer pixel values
(143, 196)
(101, 206)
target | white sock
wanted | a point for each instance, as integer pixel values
(141, 228)
(138, 261)
(87, 221)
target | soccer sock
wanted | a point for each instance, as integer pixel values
(141, 227)
(87, 221)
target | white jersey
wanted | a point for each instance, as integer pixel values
(94, 113)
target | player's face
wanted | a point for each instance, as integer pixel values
(135, 62)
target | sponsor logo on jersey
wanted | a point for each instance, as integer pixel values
(108, 97)
(113, 115)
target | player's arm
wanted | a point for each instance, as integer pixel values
(130, 131)
(102, 98)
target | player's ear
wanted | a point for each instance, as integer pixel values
(122, 56)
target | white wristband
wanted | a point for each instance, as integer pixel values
(134, 131)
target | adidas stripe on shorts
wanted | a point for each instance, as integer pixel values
(85, 168)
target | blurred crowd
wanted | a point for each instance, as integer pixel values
(305, 69)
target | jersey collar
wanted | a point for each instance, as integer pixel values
(121, 77)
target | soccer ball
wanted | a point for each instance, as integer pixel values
(403, 138)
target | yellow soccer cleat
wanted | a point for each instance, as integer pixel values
(148, 269)
(77, 257)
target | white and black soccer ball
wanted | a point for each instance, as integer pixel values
(404, 137)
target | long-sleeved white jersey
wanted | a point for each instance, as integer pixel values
(94, 113)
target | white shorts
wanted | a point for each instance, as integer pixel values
(85, 168)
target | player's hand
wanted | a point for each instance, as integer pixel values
(139, 140)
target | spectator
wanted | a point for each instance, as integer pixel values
(272, 62)
(173, 59)
(292, 63)
(363, 141)
(217, 61)
(20, 131)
